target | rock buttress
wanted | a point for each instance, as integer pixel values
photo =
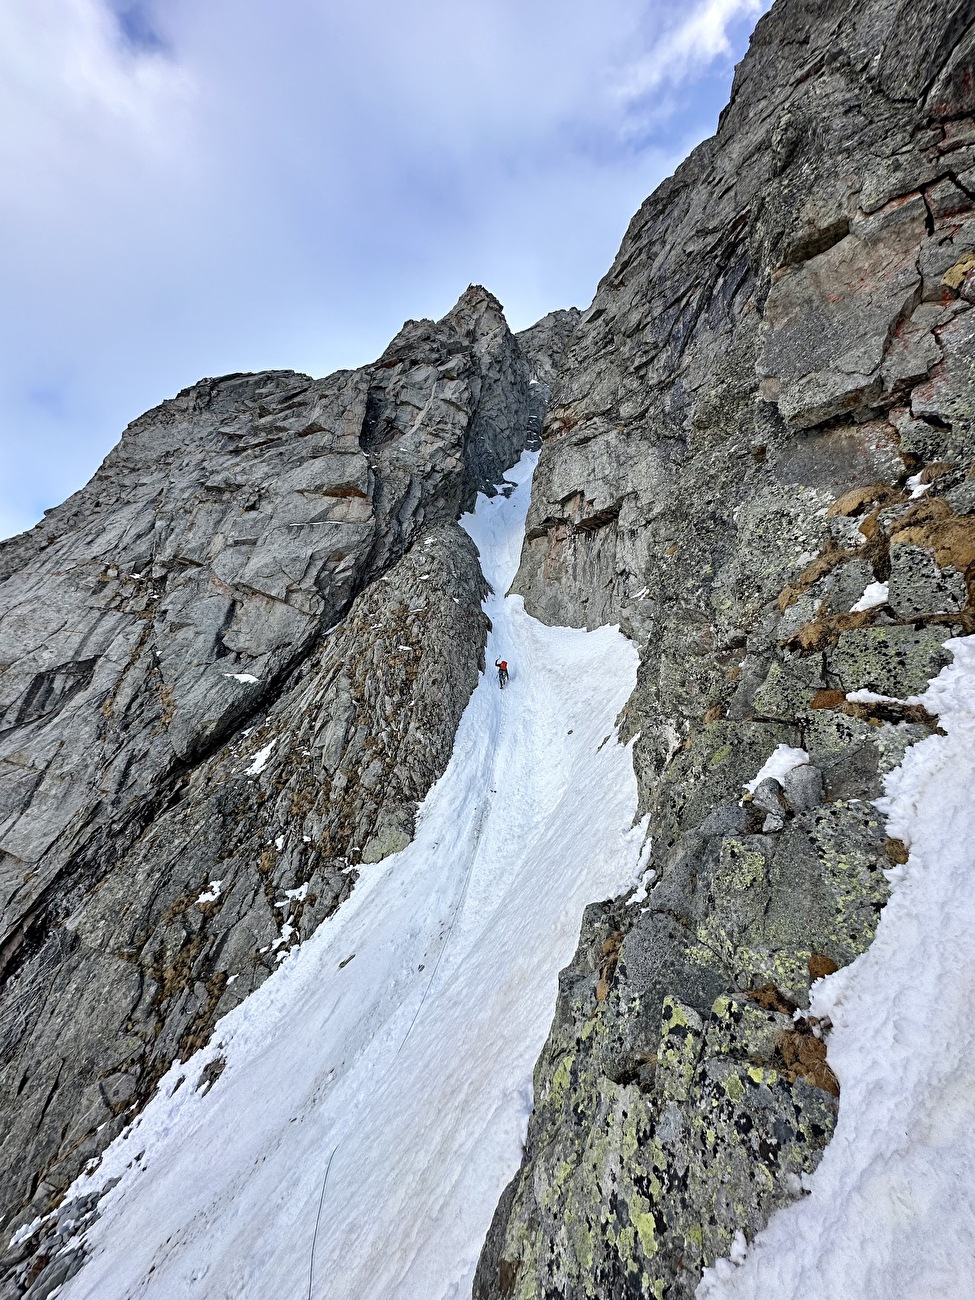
(767, 410)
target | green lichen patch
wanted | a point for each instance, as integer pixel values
(898, 661)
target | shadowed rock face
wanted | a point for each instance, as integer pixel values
(157, 607)
(230, 667)
(784, 340)
(544, 345)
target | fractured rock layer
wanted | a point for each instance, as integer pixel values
(758, 461)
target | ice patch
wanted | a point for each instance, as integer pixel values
(293, 896)
(26, 1231)
(871, 697)
(646, 880)
(260, 759)
(645, 875)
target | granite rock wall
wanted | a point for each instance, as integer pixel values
(758, 461)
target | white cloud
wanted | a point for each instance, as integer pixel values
(689, 45)
(281, 184)
(76, 107)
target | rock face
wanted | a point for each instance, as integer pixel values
(544, 345)
(231, 666)
(757, 461)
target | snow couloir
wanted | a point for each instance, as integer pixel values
(395, 1048)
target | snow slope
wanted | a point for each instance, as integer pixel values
(402, 1036)
(891, 1210)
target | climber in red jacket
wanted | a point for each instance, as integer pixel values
(502, 667)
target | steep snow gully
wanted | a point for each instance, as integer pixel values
(403, 1034)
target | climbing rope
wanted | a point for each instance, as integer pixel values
(318, 1219)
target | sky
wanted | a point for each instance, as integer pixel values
(194, 187)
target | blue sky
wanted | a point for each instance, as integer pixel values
(193, 187)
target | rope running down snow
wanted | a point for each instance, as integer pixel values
(482, 815)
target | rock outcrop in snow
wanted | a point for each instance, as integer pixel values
(766, 411)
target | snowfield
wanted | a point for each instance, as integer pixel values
(395, 1048)
(891, 1210)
